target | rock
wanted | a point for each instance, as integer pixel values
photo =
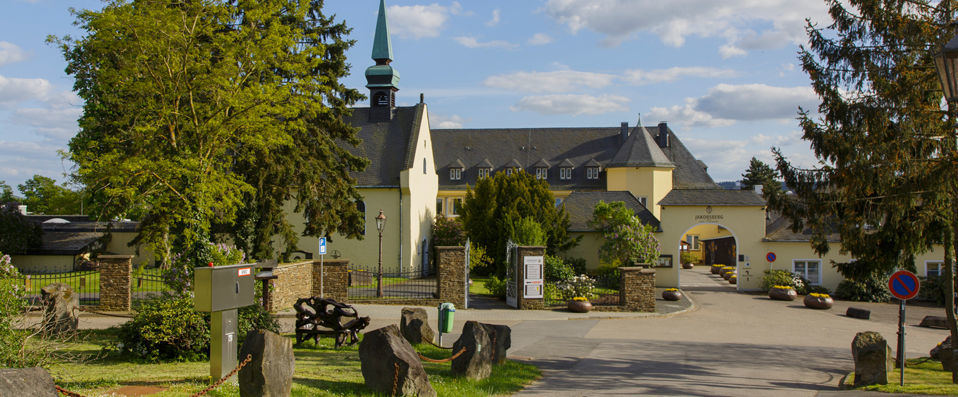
(26, 382)
(391, 366)
(61, 309)
(414, 325)
(873, 359)
(476, 362)
(855, 312)
(944, 345)
(270, 373)
(934, 322)
(501, 341)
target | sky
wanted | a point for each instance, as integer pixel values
(723, 74)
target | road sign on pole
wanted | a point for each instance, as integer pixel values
(322, 245)
(904, 286)
(322, 266)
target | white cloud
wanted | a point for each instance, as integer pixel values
(472, 42)
(556, 81)
(419, 21)
(572, 104)
(725, 104)
(440, 121)
(728, 51)
(10, 53)
(540, 39)
(674, 21)
(643, 77)
(495, 18)
(17, 90)
(21, 160)
(56, 122)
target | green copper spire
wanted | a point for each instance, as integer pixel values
(382, 46)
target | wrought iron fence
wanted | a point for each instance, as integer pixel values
(415, 284)
(86, 284)
(145, 284)
(607, 289)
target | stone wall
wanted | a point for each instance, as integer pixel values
(115, 279)
(452, 275)
(637, 292)
(531, 303)
(293, 281)
(330, 279)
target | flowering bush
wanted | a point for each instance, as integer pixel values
(580, 286)
(11, 306)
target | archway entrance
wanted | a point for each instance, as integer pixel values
(704, 245)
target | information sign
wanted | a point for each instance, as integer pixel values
(322, 245)
(532, 287)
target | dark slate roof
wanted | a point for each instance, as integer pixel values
(80, 223)
(65, 243)
(580, 206)
(779, 229)
(386, 144)
(714, 197)
(523, 147)
(640, 151)
(485, 164)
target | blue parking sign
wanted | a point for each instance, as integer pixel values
(322, 245)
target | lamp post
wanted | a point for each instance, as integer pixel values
(380, 224)
(946, 62)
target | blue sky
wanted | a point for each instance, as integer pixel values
(723, 74)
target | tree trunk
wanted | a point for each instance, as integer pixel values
(949, 244)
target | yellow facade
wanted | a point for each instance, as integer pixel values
(648, 184)
(43, 263)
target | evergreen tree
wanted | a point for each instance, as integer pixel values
(759, 173)
(887, 179)
(207, 111)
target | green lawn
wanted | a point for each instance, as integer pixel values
(922, 376)
(478, 286)
(320, 371)
(89, 281)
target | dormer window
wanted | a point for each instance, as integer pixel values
(542, 173)
(565, 173)
(484, 172)
(485, 168)
(455, 174)
(592, 173)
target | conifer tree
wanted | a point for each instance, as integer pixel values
(759, 173)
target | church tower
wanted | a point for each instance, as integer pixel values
(381, 79)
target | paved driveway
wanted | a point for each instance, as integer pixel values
(732, 345)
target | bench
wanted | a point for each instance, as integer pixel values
(318, 316)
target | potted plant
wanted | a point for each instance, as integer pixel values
(716, 268)
(733, 278)
(671, 294)
(688, 260)
(579, 304)
(782, 293)
(727, 271)
(819, 301)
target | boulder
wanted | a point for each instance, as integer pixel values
(270, 372)
(501, 336)
(26, 382)
(476, 362)
(873, 359)
(934, 322)
(391, 366)
(414, 326)
(944, 345)
(61, 310)
(855, 312)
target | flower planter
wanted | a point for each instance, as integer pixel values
(728, 273)
(579, 306)
(688, 265)
(780, 294)
(819, 302)
(671, 295)
(716, 269)
(733, 279)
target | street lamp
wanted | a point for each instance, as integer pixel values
(380, 224)
(946, 62)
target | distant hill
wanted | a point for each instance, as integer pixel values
(731, 185)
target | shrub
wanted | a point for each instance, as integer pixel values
(529, 232)
(166, 328)
(777, 277)
(933, 290)
(551, 294)
(254, 317)
(496, 286)
(607, 276)
(873, 289)
(578, 286)
(557, 269)
(479, 262)
(11, 306)
(578, 264)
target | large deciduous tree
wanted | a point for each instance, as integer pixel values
(626, 240)
(42, 195)
(202, 112)
(492, 211)
(887, 184)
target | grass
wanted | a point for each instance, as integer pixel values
(320, 371)
(478, 286)
(922, 376)
(88, 281)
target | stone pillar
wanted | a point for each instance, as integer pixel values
(335, 279)
(115, 282)
(293, 281)
(637, 291)
(530, 303)
(451, 275)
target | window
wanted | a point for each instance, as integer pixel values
(484, 172)
(361, 207)
(565, 173)
(808, 269)
(508, 171)
(644, 201)
(424, 166)
(592, 173)
(693, 240)
(455, 174)
(439, 203)
(542, 173)
(455, 207)
(934, 268)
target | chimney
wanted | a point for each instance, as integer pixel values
(422, 98)
(624, 131)
(663, 139)
(758, 189)
(22, 209)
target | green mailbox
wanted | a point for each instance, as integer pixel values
(221, 290)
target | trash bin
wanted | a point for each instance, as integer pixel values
(447, 311)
